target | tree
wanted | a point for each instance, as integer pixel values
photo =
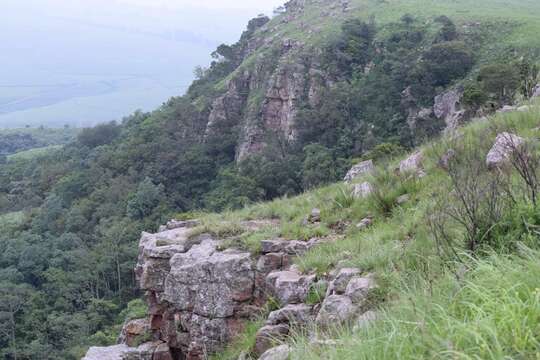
(147, 197)
(13, 299)
(319, 167)
(102, 134)
(501, 80)
(447, 61)
(232, 191)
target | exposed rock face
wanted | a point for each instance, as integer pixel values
(505, 145)
(133, 330)
(363, 168)
(448, 107)
(335, 310)
(289, 287)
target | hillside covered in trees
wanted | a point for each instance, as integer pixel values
(288, 108)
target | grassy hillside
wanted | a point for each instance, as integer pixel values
(483, 304)
(520, 16)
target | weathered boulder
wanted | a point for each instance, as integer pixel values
(536, 91)
(503, 148)
(363, 190)
(272, 261)
(335, 310)
(278, 353)
(360, 169)
(339, 284)
(293, 314)
(209, 283)
(412, 164)
(290, 247)
(448, 107)
(133, 331)
(268, 335)
(315, 216)
(289, 287)
(359, 288)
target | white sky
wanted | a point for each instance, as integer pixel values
(263, 5)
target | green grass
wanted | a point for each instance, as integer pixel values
(33, 153)
(431, 307)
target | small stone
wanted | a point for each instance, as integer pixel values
(403, 199)
(315, 216)
(365, 223)
(524, 108)
(268, 335)
(278, 353)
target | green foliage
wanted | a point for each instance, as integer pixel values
(447, 61)
(474, 94)
(319, 166)
(99, 135)
(501, 80)
(147, 197)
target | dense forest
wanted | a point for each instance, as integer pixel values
(75, 214)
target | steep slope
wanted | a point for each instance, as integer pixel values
(365, 274)
(288, 108)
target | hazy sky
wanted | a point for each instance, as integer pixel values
(88, 61)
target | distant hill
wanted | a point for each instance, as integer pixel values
(13, 141)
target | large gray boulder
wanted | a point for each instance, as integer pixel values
(504, 147)
(289, 287)
(208, 282)
(335, 310)
(359, 288)
(360, 169)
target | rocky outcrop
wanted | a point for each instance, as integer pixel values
(134, 331)
(358, 170)
(448, 107)
(505, 145)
